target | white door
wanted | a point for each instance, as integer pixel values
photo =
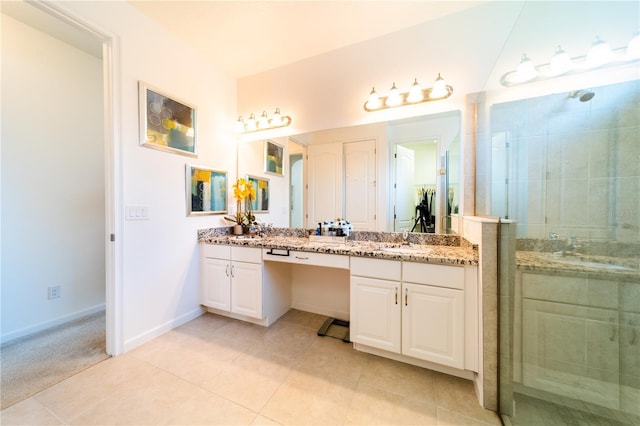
(360, 184)
(404, 190)
(433, 324)
(324, 195)
(246, 289)
(296, 219)
(216, 279)
(375, 313)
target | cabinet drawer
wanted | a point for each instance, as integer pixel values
(306, 258)
(437, 275)
(376, 268)
(216, 251)
(246, 254)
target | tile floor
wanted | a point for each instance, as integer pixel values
(215, 370)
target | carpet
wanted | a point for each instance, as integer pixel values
(35, 362)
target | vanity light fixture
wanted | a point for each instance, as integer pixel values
(415, 95)
(263, 123)
(600, 55)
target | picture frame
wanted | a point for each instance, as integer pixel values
(206, 191)
(261, 203)
(273, 158)
(166, 123)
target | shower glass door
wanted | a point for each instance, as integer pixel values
(567, 170)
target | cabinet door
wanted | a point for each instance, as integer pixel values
(216, 281)
(375, 313)
(246, 289)
(433, 324)
(572, 350)
(324, 195)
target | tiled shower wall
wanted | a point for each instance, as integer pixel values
(559, 165)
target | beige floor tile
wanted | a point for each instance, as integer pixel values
(87, 389)
(458, 395)
(310, 399)
(264, 421)
(335, 358)
(396, 377)
(161, 397)
(374, 406)
(251, 380)
(453, 418)
(204, 408)
(304, 319)
(288, 340)
(28, 412)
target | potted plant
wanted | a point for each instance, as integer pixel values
(243, 192)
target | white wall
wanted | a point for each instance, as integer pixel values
(160, 255)
(328, 91)
(53, 222)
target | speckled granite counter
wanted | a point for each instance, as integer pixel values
(546, 262)
(384, 248)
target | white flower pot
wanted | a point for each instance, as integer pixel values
(237, 229)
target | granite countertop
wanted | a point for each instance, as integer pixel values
(592, 265)
(442, 254)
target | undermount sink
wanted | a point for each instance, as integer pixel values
(403, 250)
(588, 262)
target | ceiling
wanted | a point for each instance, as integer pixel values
(249, 37)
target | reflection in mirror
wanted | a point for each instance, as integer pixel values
(412, 193)
(296, 188)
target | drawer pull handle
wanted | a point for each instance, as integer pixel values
(406, 297)
(396, 295)
(226, 270)
(232, 276)
(278, 252)
(613, 329)
(302, 258)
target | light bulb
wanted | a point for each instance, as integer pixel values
(633, 48)
(263, 123)
(439, 89)
(599, 54)
(240, 124)
(374, 100)
(276, 120)
(251, 123)
(394, 98)
(559, 63)
(415, 93)
(526, 70)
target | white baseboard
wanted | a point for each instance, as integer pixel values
(161, 329)
(50, 324)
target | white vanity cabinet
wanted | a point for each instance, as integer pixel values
(415, 309)
(232, 279)
(375, 291)
(433, 314)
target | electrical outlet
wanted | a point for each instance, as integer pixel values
(53, 292)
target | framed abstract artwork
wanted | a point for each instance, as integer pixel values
(273, 158)
(166, 123)
(206, 191)
(261, 185)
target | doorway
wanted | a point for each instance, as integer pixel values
(414, 187)
(80, 178)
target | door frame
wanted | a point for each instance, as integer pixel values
(113, 168)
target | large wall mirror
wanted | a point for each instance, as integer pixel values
(392, 176)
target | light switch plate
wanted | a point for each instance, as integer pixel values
(137, 213)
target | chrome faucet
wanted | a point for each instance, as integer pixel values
(572, 245)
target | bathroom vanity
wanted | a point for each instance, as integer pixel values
(414, 303)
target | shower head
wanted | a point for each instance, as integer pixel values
(583, 95)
